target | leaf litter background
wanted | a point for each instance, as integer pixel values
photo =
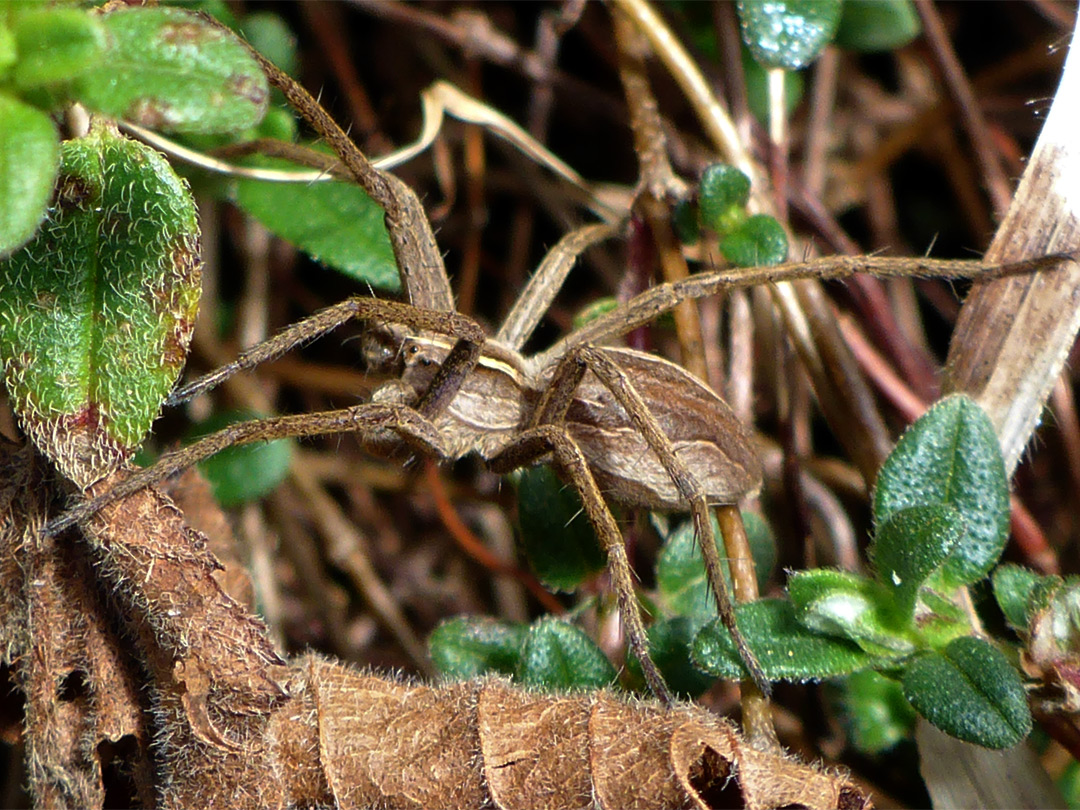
(356, 557)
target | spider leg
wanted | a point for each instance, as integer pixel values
(369, 421)
(470, 337)
(533, 444)
(553, 407)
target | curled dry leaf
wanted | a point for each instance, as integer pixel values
(351, 739)
(235, 726)
(82, 695)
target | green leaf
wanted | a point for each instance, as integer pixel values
(9, 52)
(29, 159)
(877, 25)
(722, 197)
(759, 241)
(591, 312)
(680, 573)
(759, 535)
(557, 655)
(847, 606)
(170, 70)
(785, 649)
(951, 456)
(56, 45)
(335, 223)
(874, 711)
(246, 472)
(469, 647)
(788, 34)
(910, 546)
(557, 537)
(96, 312)
(669, 647)
(271, 36)
(970, 691)
(1013, 587)
(684, 219)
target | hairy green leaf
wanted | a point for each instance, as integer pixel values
(471, 646)
(970, 690)
(1013, 588)
(785, 648)
(557, 655)
(951, 456)
(910, 546)
(847, 606)
(171, 70)
(96, 311)
(760, 240)
(723, 194)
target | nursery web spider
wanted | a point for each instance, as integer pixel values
(612, 420)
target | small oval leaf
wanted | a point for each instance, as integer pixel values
(722, 197)
(788, 34)
(557, 655)
(1013, 587)
(881, 25)
(56, 45)
(472, 646)
(847, 606)
(785, 649)
(96, 311)
(173, 71)
(29, 159)
(951, 456)
(759, 241)
(335, 223)
(911, 545)
(970, 691)
(557, 537)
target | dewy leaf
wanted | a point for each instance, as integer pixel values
(171, 70)
(951, 456)
(557, 655)
(246, 472)
(471, 646)
(911, 545)
(335, 223)
(96, 312)
(55, 45)
(29, 159)
(970, 690)
(1013, 586)
(723, 194)
(848, 606)
(788, 34)
(760, 240)
(785, 649)
(557, 538)
(881, 25)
